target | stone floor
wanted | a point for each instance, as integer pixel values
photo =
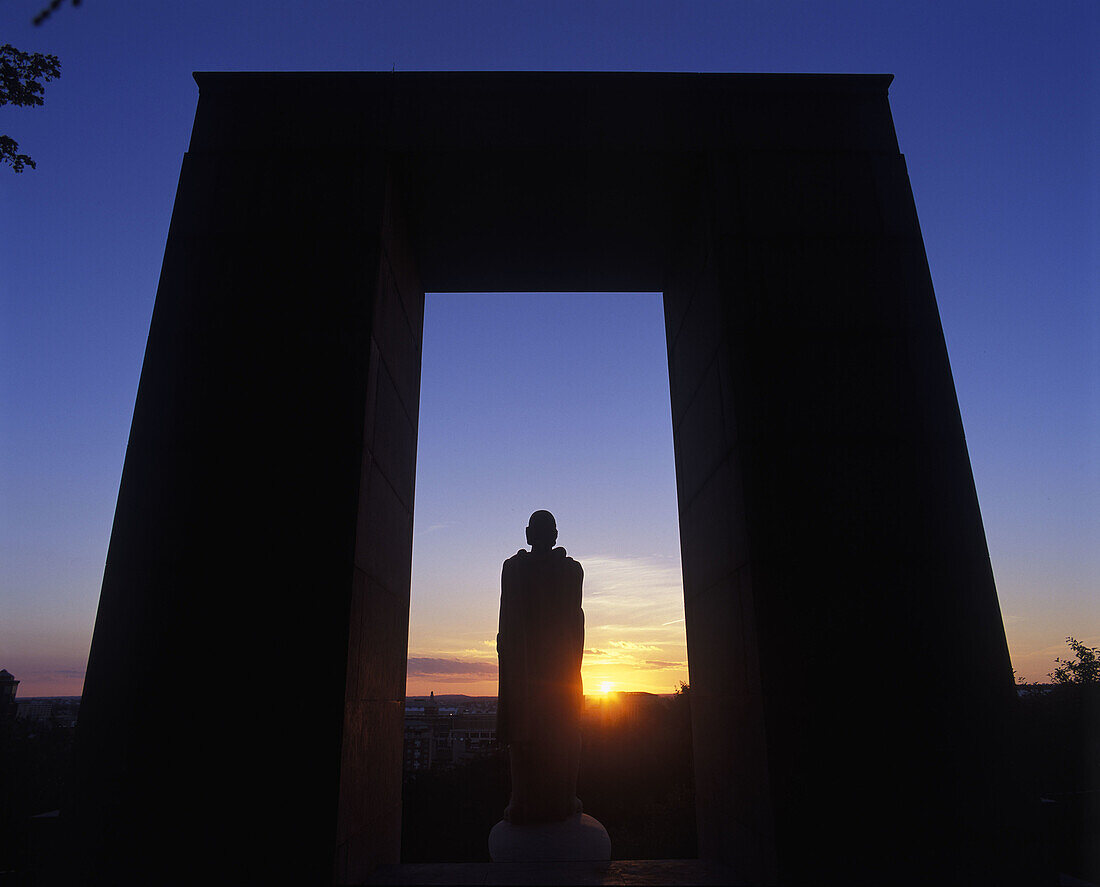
(673, 872)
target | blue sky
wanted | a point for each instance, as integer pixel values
(996, 108)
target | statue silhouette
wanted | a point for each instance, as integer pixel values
(540, 643)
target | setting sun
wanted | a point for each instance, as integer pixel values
(606, 686)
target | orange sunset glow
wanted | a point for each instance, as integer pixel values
(634, 632)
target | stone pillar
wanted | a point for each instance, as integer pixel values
(851, 686)
(233, 725)
(369, 816)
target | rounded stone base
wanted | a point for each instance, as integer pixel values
(579, 838)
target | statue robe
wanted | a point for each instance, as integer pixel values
(540, 643)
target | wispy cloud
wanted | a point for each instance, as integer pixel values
(659, 663)
(639, 592)
(459, 653)
(426, 666)
(634, 608)
(634, 646)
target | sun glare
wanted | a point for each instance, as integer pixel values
(606, 687)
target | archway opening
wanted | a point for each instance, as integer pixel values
(557, 401)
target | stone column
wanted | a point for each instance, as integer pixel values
(242, 713)
(851, 686)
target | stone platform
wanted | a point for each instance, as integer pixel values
(579, 838)
(671, 872)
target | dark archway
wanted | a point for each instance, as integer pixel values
(850, 677)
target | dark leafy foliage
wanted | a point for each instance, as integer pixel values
(46, 12)
(23, 76)
(20, 73)
(1060, 738)
(1084, 668)
(35, 760)
(637, 777)
(447, 814)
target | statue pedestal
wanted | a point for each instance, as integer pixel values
(579, 838)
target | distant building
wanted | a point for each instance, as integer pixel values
(61, 711)
(8, 686)
(463, 738)
(444, 736)
(35, 710)
(418, 746)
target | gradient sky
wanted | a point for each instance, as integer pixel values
(556, 401)
(996, 108)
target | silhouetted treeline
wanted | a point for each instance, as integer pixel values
(1060, 749)
(636, 777)
(447, 813)
(35, 760)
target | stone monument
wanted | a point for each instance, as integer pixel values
(826, 501)
(540, 643)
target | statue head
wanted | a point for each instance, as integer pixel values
(542, 531)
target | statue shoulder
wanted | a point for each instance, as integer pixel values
(572, 565)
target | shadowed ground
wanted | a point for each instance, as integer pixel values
(643, 871)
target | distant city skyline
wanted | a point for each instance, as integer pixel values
(995, 106)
